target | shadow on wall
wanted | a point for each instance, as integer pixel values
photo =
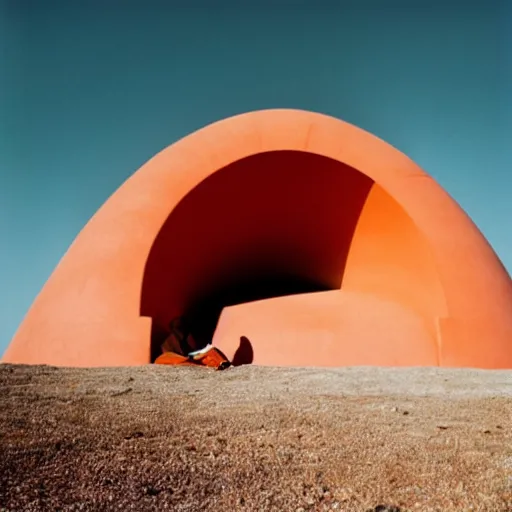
(272, 224)
(244, 353)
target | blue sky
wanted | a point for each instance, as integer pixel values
(91, 90)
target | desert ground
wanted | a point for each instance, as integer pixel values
(255, 438)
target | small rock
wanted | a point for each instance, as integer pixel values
(135, 435)
(152, 491)
(123, 392)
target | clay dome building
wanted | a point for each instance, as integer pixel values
(303, 237)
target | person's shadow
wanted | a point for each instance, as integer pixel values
(244, 353)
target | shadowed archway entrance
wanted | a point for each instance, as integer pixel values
(272, 224)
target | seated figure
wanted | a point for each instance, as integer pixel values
(180, 348)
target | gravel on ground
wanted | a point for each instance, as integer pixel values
(255, 438)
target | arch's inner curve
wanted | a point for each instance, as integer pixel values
(272, 224)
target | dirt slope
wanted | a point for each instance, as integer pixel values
(248, 438)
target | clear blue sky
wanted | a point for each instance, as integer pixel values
(90, 90)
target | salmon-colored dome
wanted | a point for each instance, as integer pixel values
(316, 243)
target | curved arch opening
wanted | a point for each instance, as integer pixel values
(272, 224)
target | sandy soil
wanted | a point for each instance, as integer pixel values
(249, 439)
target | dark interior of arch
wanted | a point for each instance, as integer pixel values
(272, 224)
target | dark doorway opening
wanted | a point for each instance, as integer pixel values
(272, 224)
